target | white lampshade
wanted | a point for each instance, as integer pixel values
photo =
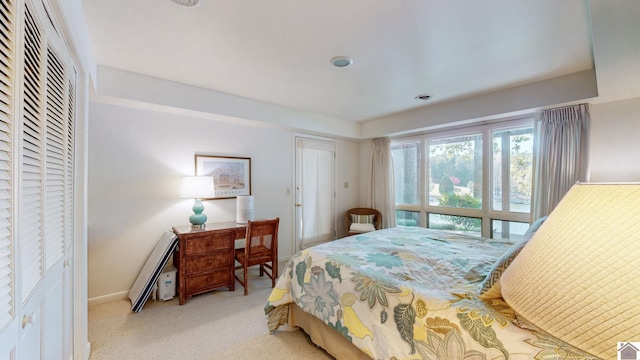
(578, 278)
(197, 187)
(244, 209)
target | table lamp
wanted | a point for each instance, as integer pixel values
(197, 187)
(244, 208)
(578, 278)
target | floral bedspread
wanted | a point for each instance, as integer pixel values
(410, 293)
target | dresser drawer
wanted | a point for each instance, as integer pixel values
(200, 283)
(208, 242)
(208, 261)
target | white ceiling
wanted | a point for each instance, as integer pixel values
(279, 51)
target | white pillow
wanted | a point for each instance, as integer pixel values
(357, 227)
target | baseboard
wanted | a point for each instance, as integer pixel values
(125, 294)
(108, 298)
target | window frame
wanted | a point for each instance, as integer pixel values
(486, 213)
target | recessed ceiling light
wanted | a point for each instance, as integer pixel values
(423, 97)
(341, 61)
(187, 2)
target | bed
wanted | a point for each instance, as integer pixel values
(404, 293)
(415, 293)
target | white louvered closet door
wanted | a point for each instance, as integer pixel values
(36, 288)
(29, 236)
(55, 166)
(8, 321)
(69, 208)
(30, 215)
(58, 285)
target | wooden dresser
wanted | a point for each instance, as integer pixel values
(204, 258)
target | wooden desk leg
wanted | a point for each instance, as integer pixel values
(232, 285)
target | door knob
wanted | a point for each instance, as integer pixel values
(298, 204)
(27, 320)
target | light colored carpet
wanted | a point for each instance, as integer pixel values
(217, 325)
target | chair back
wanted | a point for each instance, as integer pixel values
(262, 241)
(377, 217)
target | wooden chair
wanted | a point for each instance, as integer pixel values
(377, 219)
(261, 248)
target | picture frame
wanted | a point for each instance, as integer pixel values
(231, 175)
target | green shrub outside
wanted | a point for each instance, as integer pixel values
(461, 201)
(445, 185)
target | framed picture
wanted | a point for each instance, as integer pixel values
(231, 175)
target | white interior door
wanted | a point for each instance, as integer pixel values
(315, 192)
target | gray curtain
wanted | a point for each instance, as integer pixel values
(381, 191)
(562, 157)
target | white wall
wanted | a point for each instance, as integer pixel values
(136, 161)
(137, 158)
(348, 158)
(615, 141)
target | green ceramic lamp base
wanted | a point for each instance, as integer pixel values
(198, 219)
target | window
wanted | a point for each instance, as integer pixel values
(508, 229)
(512, 162)
(455, 180)
(475, 180)
(406, 158)
(407, 218)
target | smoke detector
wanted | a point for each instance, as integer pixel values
(341, 61)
